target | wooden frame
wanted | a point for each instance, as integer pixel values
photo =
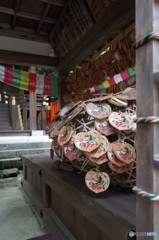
(44, 15)
(119, 16)
(33, 112)
(24, 59)
(147, 64)
(59, 3)
(22, 33)
(25, 15)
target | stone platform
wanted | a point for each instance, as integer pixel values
(72, 211)
(13, 147)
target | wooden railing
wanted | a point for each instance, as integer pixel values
(20, 99)
(45, 110)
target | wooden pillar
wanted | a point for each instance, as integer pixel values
(60, 100)
(2, 93)
(62, 90)
(25, 117)
(43, 118)
(33, 112)
(147, 64)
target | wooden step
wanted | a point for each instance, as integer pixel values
(4, 106)
(7, 127)
(4, 109)
(5, 117)
(5, 122)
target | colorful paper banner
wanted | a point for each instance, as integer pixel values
(32, 82)
(131, 72)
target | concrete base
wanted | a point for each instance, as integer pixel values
(22, 133)
(5, 133)
(11, 149)
(10, 163)
(19, 152)
(12, 172)
(18, 221)
(12, 139)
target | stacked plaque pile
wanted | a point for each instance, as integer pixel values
(97, 136)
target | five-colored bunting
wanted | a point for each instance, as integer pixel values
(112, 81)
(41, 84)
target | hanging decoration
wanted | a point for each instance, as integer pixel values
(146, 38)
(150, 196)
(123, 76)
(149, 119)
(41, 84)
(97, 137)
(115, 57)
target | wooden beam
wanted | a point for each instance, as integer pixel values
(24, 59)
(121, 15)
(25, 119)
(43, 118)
(59, 19)
(16, 9)
(23, 33)
(27, 15)
(147, 64)
(59, 3)
(32, 110)
(44, 15)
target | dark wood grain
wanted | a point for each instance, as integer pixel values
(23, 14)
(44, 15)
(120, 15)
(33, 112)
(22, 33)
(147, 63)
(59, 3)
(25, 120)
(16, 9)
(110, 215)
(72, 24)
(24, 59)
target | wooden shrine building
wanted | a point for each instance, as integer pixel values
(75, 38)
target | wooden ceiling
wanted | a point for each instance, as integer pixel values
(29, 19)
(75, 28)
